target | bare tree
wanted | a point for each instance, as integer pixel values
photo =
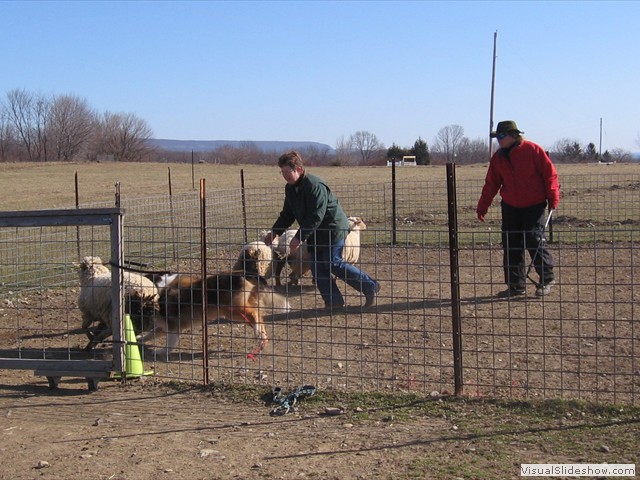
(567, 150)
(314, 155)
(471, 151)
(70, 126)
(8, 140)
(41, 110)
(620, 155)
(366, 144)
(344, 154)
(448, 140)
(121, 136)
(27, 113)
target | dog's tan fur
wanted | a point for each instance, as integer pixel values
(229, 295)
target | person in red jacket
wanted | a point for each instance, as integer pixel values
(527, 181)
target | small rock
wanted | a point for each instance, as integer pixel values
(332, 411)
(206, 452)
(42, 464)
(605, 448)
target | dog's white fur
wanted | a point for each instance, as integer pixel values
(300, 261)
(94, 299)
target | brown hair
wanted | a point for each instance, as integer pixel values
(290, 159)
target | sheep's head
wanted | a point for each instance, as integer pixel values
(91, 267)
(356, 223)
(255, 259)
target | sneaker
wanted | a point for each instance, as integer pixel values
(511, 292)
(371, 297)
(543, 290)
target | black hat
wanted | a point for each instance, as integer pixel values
(506, 126)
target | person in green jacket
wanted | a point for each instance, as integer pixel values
(323, 225)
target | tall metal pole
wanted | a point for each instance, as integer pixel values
(203, 278)
(600, 147)
(456, 317)
(493, 86)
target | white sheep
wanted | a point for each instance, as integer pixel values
(300, 261)
(94, 301)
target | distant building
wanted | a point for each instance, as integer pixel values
(407, 160)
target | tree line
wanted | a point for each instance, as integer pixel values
(42, 128)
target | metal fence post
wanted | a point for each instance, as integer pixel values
(456, 322)
(203, 273)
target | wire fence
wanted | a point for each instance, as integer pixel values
(580, 342)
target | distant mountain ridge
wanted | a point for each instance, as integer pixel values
(211, 145)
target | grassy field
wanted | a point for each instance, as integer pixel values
(28, 186)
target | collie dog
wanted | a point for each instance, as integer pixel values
(229, 295)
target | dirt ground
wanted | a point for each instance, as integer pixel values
(144, 429)
(140, 431)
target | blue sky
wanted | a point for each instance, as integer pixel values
(319, 71)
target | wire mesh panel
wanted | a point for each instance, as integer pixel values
(578, 342)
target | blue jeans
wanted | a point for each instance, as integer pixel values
(328, 264)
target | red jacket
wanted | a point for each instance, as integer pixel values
(527, 177)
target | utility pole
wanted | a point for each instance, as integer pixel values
(600, 147)
(493, 86)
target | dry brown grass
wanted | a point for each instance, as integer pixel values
(29, 186)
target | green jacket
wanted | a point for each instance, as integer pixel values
(311, 203)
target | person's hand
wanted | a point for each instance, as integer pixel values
(480, 217)
(268, 238)
(293, 246)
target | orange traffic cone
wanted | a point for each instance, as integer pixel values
(133, 367)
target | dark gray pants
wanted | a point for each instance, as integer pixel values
(523, 229)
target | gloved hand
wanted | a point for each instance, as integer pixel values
(268, 238)
(293, 246)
